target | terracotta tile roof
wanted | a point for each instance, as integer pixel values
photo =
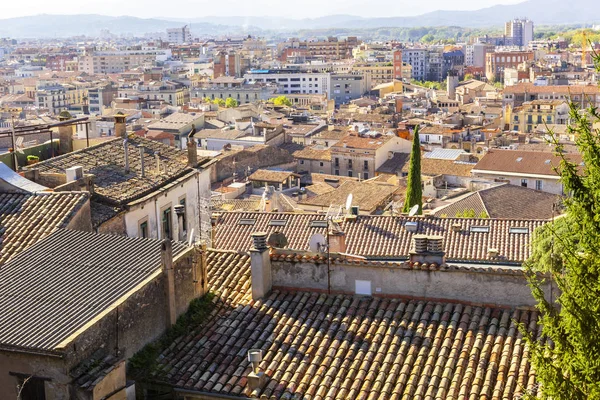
(235, 205)
(394, 164)
(367, 195)
(321, 346)
(385, 236)
(265, 175)
(522, 162)
(434, 167)
(506, 201)
(28, 218)
(106, 161)
(311, 153)
(560, 89)
(364, 143)
(319, 189)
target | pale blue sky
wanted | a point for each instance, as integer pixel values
(200, 8)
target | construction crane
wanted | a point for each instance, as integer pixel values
(584, 44)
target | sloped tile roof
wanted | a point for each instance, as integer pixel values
(85, 275)
(318, 346)
(235, 205)
(523, 162)
(506, 201)
(28, 218)
(106, 161)
(385, 236)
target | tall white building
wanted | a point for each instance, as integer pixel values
(521, 31)
(475, 55)
(179, 35)
(292, 81)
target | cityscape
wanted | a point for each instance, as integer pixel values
(314, 206)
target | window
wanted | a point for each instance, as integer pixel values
(144, 230)
(301, 162)
(247, 221)
(350, 174)
(318, 224)
(167, 229)
(539, 184)
(349, 163)
(337, 162)
(480, 229)
(524, 182)
(278, 222)
(366, 164)
(366, 175)
(321, 164)
(518, 230)
(31, 387)
(337, 172)
(184, 217)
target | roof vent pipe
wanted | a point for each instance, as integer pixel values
(142, 153)
(126, 149)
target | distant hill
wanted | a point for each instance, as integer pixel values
(540, 11)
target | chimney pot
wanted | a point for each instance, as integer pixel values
(259, 240)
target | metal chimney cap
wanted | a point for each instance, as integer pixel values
(254, 355)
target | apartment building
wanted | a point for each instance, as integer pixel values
(347, 87)
(173, 93)
(538, 113)
(520, 30)
(375, 73)
(330, 49)
(100, 97)
(237, 88)
(229, 63)
(293, 81)
(112, 62)
(497, 62)
(52, 98)
(179, 35)
(360, 153)
(520, 93)
(417, 59)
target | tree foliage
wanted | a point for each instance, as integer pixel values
(231, 103)
(414, 191)
(219, 102)
(282, 101)
(566, 253)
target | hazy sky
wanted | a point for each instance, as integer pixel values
(200, 8)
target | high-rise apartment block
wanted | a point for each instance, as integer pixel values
(521, 31)
(179, 35)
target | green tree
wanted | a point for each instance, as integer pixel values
(231, 102)
(282, 101)
(207, 100)
(469, 77)
(219, 102)
(566, 253)
(483, 215)
(414, 191)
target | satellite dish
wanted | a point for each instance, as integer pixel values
(349, 202)
(413, 210)
(277, 240)
(316, 243)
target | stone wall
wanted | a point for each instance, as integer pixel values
(255, 157)
(477, 284)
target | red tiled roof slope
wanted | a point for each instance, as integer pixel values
(386, 236)
(318, 346)
(28, 218)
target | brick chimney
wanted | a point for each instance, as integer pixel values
(260, 266)
(120, 127)
(428, 250)
(65, 134)
(337, 241)
(166, 257)
(192, 153)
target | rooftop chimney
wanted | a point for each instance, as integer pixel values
(157, 157)
(428, 250)
(74, 174)
(142, 166)
(120, 127)
(256, 378)
(260, 266)
(65, 134)
(337, 241)
(192, 153)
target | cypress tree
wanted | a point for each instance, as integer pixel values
(414, 191)
(566, 253)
